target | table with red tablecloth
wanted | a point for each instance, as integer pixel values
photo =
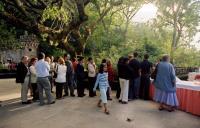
(188, 94)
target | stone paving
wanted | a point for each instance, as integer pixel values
(74, 112)
(9, 89)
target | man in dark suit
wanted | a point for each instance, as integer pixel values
(135, 79)
(146, 67)
(23, 77)
(69, 76)
(80, 77)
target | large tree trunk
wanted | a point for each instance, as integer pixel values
(174, 42)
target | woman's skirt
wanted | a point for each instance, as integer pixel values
(167, 98)
(103, 94)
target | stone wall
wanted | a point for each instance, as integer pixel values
(29, 44)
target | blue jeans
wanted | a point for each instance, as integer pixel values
(136, 86)
(44, 84)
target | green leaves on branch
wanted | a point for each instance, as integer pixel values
(56, 13)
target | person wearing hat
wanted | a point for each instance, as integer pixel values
(80, 77)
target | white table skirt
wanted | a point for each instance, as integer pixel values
(188, 85)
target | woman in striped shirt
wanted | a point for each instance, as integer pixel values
(102, 81)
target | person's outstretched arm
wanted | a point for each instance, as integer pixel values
(96, 83)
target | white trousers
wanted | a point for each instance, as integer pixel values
(124, 84)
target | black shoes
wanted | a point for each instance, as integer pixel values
(123, 102)
(27, 102)
(81, 95)
(107, 112)
(53, 102)
(109, 98)
(72, 95)
(65, 95)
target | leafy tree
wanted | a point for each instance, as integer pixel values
(187, 57)
(60, 21)
(182, 16)
(8, 40)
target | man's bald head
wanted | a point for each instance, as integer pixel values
(24, 59)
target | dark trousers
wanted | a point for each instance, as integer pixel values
(91, 82)
(118, 88)
(137, 86)
(144, 87)
(80, 88)
(70, 88)
(51, 82)
(35, 91)
(131, 93)
(108, 90)
(69, 85)
(59, 89)
(74, 81)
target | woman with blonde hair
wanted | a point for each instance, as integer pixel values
(60, 80)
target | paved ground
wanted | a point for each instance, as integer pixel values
(9, 89)
(83, 113)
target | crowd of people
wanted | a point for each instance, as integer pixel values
(43, 73)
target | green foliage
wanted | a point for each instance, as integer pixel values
(8, 38)
(182, 16)
(110, 33)
(187, 57)
(55, 13)
(51, 50)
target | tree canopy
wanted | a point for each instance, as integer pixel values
(104, 28)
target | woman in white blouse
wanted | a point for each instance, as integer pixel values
(60, 80)
(33, 79)
(91, 76)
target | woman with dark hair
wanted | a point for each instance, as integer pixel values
(119, 64)
(34, 79)
(165, 84)
(110, 78)
(74, 63)
(102, 81)
(104, 61)
(124, 76)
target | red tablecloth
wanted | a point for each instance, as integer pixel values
(189, 100)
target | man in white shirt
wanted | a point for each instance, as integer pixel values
(42, 71)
